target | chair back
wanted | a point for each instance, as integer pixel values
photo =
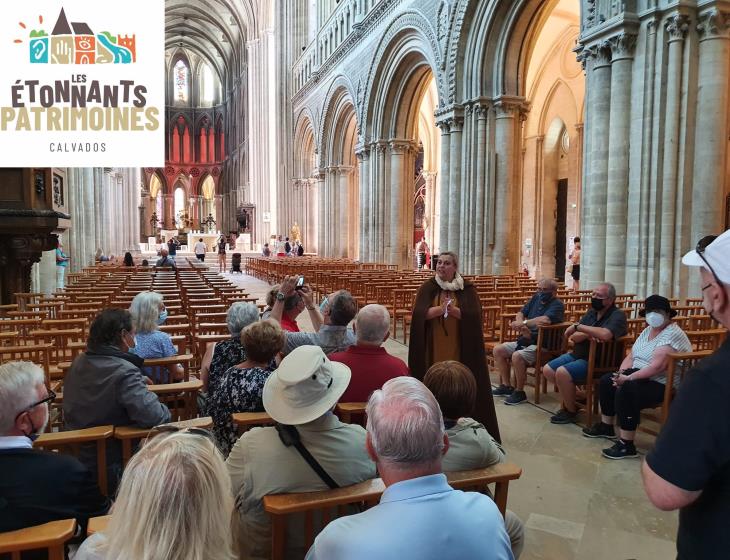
(50, 537)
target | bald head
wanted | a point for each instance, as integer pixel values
(372, 325)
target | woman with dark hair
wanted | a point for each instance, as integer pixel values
(105, 386)
(128, 260)
(470, 444)
(221, 244)
(447, 325)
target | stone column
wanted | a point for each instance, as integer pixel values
(711, 134)
(455, 189)
(220, 218)
(622, 49)
(168, 201)
(344, 208)
(397, 243)
(579, 177)
(321, 209)
(444, 189)
(480, 233)
(363, 158)
(379, 223)
(88, 209)
(595, 193)
(506, 242)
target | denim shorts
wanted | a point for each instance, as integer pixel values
(577, 368)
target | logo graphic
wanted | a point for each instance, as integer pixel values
(82, 83)
(76, 43)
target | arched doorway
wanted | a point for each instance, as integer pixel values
(552, 144)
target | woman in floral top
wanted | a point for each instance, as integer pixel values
(240, 388)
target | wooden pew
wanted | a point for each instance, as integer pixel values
(280, 506)
(49, 536)
(246, 420)
(128, 434)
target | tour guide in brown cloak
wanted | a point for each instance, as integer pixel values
(472, 346)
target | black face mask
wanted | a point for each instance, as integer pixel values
(597, 303)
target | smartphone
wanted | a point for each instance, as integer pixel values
(300, 283)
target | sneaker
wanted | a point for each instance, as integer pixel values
(599, 429)
(503, 391)
(564, 417)
(516, 397)
(621, 450)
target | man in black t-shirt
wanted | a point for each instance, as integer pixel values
(604, 322)
(689, 468)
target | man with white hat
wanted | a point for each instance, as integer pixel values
(300, 396)
(689, 468)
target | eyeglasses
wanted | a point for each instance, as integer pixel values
(49, 399)
(700, 250)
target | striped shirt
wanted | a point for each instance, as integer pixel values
(643, 348)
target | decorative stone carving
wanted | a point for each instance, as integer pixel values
(442, 29)
(713, 24)
(677, 26)
(622, 46)
(58, 194)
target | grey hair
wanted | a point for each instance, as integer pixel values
(145, 310)
(164, 251)
(550, 283)
(405, 424)
(611, 289)
(371, 323)
(454, 257)
(240, 315)
(18, 390)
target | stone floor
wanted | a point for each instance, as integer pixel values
(576, 505)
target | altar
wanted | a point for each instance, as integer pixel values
(210, 240)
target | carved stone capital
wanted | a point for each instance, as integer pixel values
(509, 108)
(713, 24)
(401, 146)
(676, 26)
(622, 46)
(601, 54)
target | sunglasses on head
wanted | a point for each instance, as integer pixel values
(171, 429)
(702, 245)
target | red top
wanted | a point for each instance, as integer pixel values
(371, 367)
(288, 324)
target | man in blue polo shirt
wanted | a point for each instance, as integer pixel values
(544, 308)
(419, 514)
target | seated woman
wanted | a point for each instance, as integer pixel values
(222, 356)
(641, 379)
(148, 313)
(175, 501)
(105, 386)
(240, 388)
(128, 260)
(470, 445)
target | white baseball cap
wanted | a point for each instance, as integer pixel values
(305, 386)
(717, 255)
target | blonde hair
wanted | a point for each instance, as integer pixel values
(175, 501)
(145, 310)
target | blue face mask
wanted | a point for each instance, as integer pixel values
(323, 305)
(162, 317)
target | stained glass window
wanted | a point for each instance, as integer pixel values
(182, 80)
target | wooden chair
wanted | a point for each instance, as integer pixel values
(346, 410)
(709, 339)
(72, 439)
(170, 363)
(247, 420)
(679, 364)
(550, 344)
(180, 398)
(368, 493)
(39, 354)
(129, 434)
(50, 536)
(603, 357)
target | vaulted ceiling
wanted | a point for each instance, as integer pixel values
(216, 30)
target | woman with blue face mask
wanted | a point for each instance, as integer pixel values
(148, 313)
(641, 380)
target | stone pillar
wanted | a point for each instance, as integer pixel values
(711, 134)
(480, 233)
(455, 189)
(595, 193)
(344, 208)
(444, 189)
(321, 210)
(168, 201)
(394, 242)
(579, 177)
(219, 216)
(363, 158)
(506, 242)
(89, 232)
(622, 48)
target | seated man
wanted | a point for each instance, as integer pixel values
(37, 486)
(330, 320)
(544, 308)
(300, 396)
(471, 446)
(164, 259)
(603, 322)
(419, 514)
(370, 364)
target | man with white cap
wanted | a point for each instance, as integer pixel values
(689, 468)
(300, 396)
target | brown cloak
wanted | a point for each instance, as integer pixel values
(472, 346)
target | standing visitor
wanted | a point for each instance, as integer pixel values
(61, 266)
(574, 265)
(222, 253)
(200, 250)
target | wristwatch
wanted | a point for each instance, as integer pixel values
(280, 296)
(524, 323)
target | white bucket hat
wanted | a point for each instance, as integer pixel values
(305, 386)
